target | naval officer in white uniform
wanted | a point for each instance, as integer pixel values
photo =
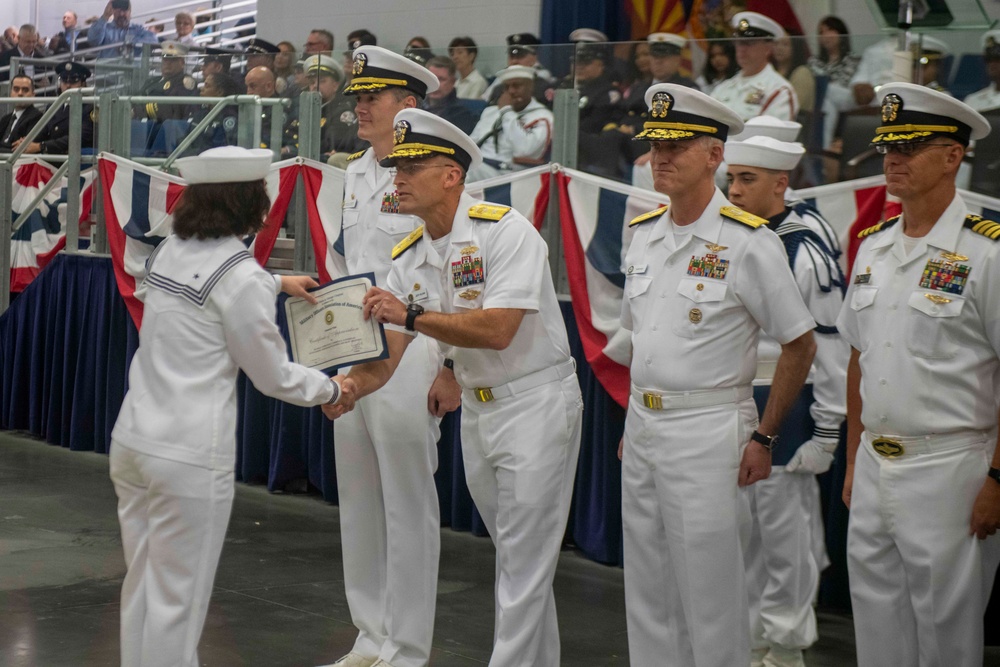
(922, 315)
(476, 278)
(209, 312)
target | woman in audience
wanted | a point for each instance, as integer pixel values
(641, 74)
(791, 55)
(719, 65)
(284, 70)
(836, 62)
(471, 84)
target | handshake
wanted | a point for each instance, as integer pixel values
(345, 400)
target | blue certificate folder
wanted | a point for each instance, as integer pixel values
(333, 334)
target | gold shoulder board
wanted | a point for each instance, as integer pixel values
(739, 215)
(355, 156)
(645, 217)
(410, 240)
(490, 212)
(987, 228)
(879, 227)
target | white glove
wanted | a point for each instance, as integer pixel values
(813, 457)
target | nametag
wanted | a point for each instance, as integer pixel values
(636, 269)
(418, 293)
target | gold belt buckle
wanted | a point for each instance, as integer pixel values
(888, 448)
(653, 401)
(484, 394)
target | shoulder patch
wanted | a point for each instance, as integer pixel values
(355, 156)
(880, 226)
(739, 215)
(979, 225)
(189, 83)
(488, 212)
(646, 217)
(408, 242)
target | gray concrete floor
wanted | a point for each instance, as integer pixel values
(279, 594)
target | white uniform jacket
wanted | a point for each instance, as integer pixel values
(942, 302)
(488, 264)
(695, 309)
(512, 140)
(820, 284)
(371, 223)
(209, 312)
(986, 99)
(766, 93)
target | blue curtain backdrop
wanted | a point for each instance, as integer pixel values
(67, 340)
(561, 17)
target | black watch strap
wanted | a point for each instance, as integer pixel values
(767, 440)
(449, 363)
(995, 474)
(412, 311)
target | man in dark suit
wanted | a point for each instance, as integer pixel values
(54, 138)
(27, 47)
(18, 122)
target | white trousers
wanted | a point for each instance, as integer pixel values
(390, 524)
(782, 573)
(685, 522)
(919, 581)
(520, 457)
(173, 519)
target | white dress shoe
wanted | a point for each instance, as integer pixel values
(353, 659)
(779, 656)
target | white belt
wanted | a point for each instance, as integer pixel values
(765, 371)
(672, 400)
(525, 382)
(896, 446)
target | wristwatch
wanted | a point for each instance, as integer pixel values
(769, 441)
(994, 474)
(449, 364)
(412, 311)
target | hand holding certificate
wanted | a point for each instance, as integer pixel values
(334, 333)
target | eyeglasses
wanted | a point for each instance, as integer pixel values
(905, 149)
(412, 168)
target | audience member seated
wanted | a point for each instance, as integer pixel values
(284, 69)
(18, 122)
(356, 39)
(516, 133)
(222, 131)
(319, 41)
(616, 69)
(757, 89)
(988, 98)
(640, 75)
(338, 121)
(790, 58)
(261, 81)
(838, 64)
(115, 27)
(27, 47)
(418, 49)
(471, 83)
(54, 137)
(874, 70)
(444, 101)
(522, 50)
(258, 53)
(172, 82)
(928, 53)
(216, 61)
(719, 65)
(184, 25)
(71, 38)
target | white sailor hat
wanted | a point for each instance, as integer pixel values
(418, 133)
(764, 152)
(319, 64)
(991, 44)
(769, 126)
(587, 35)
(677, 112)
(666, 44)
(758, 26)
(515, 72)
(912, 113)
(930, 48)
(376, 69)
(226, 164)
(174, 49)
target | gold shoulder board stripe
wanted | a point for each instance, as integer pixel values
(987, 228)
(648, 216)
(878, 228)
(739, 215)
(409, 241)
(355, 156)
(491, 212)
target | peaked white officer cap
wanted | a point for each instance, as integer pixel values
(174, 49)
(376, 69)
(667, 38)
(769, 126)
(587, 35)
(912, 113)
(321, 64)
(226, 164)
(418, 133)
(930, 48)
(764, 152)
(515, 72)
(677, 112)
(754, 25)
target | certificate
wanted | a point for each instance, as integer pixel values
(333, 333)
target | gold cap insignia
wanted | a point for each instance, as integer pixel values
(891, 106)
(744, 25)
(399, 131)
(360, 61)
(661, 104)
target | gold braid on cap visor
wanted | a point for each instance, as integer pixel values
(672, 131)
(910, 132)
(418, 150)
(374, 83)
